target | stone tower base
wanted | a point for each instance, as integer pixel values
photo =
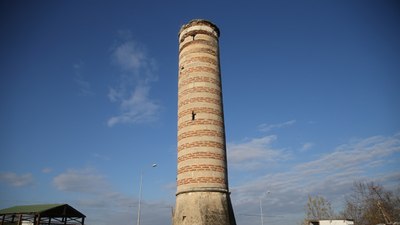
(203, 208)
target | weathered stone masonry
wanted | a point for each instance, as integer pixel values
(202, 196)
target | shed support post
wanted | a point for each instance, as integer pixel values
(19, 219)
(38, 219)
(83, 220)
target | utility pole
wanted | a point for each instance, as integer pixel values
(386, 216)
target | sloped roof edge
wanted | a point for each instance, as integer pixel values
(55, 210)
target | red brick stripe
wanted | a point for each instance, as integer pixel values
(199, 90)
(199, 99)
(182, 113)
(204, 59)
(199, 79)
(197, 69)
(197, 133)
(198, 42)
(201, 167)
(198, 50)
(201, 155)
(200, 122)
(200, 180)
(194, 144)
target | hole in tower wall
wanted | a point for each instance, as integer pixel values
(193, 115)
(183, 218)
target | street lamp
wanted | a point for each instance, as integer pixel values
(261, 209)
(261, 213)
(140, 194)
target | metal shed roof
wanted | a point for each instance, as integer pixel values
(34, 213)
(45, 209)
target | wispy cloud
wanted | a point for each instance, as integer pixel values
(100, 156)
(84, 86)
(85, 180)
(16, 180)
(47, 170)
(137, 72)
(119, 209)
(268, 127)
(306, 146)
(331, 175)
(356, 153)
(102, 204)
(253, 154)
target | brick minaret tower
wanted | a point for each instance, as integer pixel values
(202, 196)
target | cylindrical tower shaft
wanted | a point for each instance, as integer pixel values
(201, 136)
(202, 181)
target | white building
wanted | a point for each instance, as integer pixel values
(26, 223)
(331, 222)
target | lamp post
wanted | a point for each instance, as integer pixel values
(140, 194)
(261, 209)
(261, 213)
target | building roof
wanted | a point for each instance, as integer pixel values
(53, 210)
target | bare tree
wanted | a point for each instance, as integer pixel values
(370, 204)
(318, 208)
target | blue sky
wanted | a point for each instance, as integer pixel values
(88, 93)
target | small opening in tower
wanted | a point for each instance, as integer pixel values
(183, 218)
(193, 115)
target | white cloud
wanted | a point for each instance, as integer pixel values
(130, 56)
(133, 91)
(137, 108)
(16, 180)
(82, 181)
(268, 127)
(254, 153)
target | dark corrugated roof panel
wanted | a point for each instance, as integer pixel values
(29, 208)
(44, 209)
